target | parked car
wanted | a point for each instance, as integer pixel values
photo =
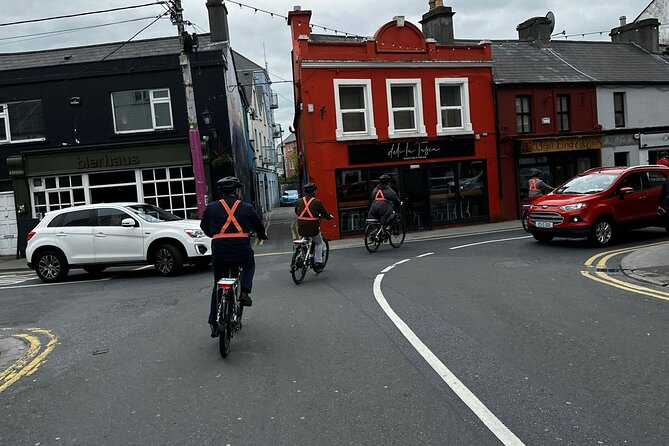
(95, 237)
(599, 204)
(289, 197)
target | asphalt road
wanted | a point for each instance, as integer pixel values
(479, 340)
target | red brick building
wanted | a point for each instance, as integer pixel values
(409, 103)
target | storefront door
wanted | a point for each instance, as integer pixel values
(415, 198)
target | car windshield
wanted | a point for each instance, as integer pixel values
(151, 213)
(588, 184)
(290, 192)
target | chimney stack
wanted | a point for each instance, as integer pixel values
(645, 33)
(537, 30)
(438, 23)
(218, 21)
(623, 20)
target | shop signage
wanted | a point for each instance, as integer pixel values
(410, 150)
(650, 140)
(560, 144)
(97, 162)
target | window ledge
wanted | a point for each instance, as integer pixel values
(459, 131)
(397, 135)
(23, 141)
(355, 137)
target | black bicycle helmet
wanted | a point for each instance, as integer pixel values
(535, 172)
(384, 179)
(228, 184)
(310, 188)
(664, 154)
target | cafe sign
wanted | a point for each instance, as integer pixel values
(410, 150)
(566, 144)
(650, 140)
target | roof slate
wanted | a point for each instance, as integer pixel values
(521, 62)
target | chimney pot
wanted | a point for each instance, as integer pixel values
(623, 20)
(297, 8)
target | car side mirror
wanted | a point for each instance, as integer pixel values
(625, 191)
(128, 223)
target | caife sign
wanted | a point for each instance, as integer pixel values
(410, 150)
(651, 140)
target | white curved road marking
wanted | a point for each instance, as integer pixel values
(490, 241)
(498, 428)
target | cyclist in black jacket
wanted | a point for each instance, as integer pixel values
(385, 201)
(228, 222)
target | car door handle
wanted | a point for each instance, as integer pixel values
(61, 234)
(101, 234)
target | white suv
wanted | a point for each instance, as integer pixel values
(97, 236)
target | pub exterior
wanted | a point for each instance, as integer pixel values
(415, 105)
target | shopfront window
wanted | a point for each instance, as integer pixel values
(172, 189)
(353, 199)
(56, 192)
(472, 190)
(443, 198)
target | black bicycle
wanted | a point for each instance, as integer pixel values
(303, 258)
(376, 233)
(230, 310)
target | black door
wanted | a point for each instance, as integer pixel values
(415, 198)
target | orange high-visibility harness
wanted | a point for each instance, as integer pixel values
(533, 185)
(231, 219)
(379, 195)
(306, 210)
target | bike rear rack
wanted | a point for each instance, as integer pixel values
(226, 283)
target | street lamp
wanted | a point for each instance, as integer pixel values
(208, 118)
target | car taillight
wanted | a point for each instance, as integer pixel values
(30, 235)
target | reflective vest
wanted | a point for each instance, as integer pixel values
(379, 195)
(231, 219)
(306, 212)
(534, 190)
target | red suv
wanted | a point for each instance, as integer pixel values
(599, 203)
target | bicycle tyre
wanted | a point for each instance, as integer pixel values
(298, 273)
(397, 234)
(226, 333)
(326, 256)
(371, 243)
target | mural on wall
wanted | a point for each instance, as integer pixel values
(238, 139)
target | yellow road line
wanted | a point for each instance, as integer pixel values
(592, 259)
(31, 361)
(608, 280)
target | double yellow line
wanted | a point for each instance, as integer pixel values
(599, 263)
(28, 364)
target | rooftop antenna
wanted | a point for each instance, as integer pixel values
(264, 55)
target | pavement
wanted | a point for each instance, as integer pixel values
(649, 264)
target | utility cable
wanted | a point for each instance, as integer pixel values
(80, 14)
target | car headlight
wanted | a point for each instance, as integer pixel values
(573, 207)
(195, 233)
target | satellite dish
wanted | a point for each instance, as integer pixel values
(550, 16)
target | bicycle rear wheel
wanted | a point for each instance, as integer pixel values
(397, 234)
(298, 266)
(372, 242)
(326, 255)
(225, 315)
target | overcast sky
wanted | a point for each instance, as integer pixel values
(261, 37)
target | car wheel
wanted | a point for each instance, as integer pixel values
(602, 233)
(542, 237)
(51, 266)
(168, 260)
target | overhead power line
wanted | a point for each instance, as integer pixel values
(81, 14)
(272, 14)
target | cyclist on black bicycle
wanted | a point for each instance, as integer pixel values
(310, 210)
(385, 201)
(228, 222)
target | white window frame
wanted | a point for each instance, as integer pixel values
(370, 131)
(4, 114)
(465, 115)
(419, 130)
(152, 102)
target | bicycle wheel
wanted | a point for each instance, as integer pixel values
(372, 242)
(326, 255)
(298, 267)
(226, 332)
(397, 234)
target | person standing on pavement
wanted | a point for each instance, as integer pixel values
(310, 210)
(664, 159)
(663, 208)
(228, 222)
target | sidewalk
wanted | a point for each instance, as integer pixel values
(647, 264)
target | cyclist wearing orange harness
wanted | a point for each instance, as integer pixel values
(537, 187)
(228, 222)
(385, 201)
(310, 210)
